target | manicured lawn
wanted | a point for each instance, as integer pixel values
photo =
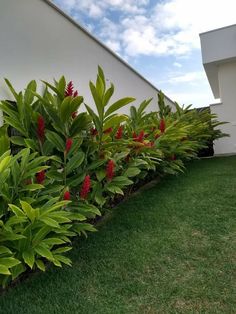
(168, 249)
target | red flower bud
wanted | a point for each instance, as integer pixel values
(85, 187)
(93, 132)
(107, 131)
(119, 133)
(40, 177)
(162, 125)
(140, 137)
(41, 128)
(70, 90)
(134, 135)
(75, 94)
(110, 169)
(69, 142)
(74, 114)
(66, 196)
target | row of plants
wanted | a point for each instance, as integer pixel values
(62, 167)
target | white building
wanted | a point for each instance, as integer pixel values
(219, 60)
(39, 41)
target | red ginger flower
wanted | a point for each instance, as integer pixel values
(69, 143)
(85, 187)
(66, 196)
(134, 135)
(140, 137)
(110, 169)
(70, 90)
(107, 131)
(41, 128)
(74, 114)
(93, 131)
(40, 177)
(119, 133)
(162, 125)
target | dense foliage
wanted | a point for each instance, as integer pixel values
(62, 167)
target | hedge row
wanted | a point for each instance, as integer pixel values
(62, 167)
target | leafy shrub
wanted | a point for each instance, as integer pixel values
(71, 165)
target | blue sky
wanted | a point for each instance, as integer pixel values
(159, 38)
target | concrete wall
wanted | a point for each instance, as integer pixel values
(218, 45)
(38, 42)
(227, 110)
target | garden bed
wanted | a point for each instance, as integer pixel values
(167, 249)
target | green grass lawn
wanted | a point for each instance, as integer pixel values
(168, 249)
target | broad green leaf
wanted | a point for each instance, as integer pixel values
(29, 257)
(85, 227)
(114, 189)
(18, 140)
(122, 180)
(29, 96)
(56, 140)
(43, 251)
(132, 172)
(14, 93)
(61, 86)
(75, 162)
(4, 163)
(5, 250)
(63, 259)
(50, 222)
(29, 210)
(119, 104)
(108, 95)
(17, 270)
(40, 264)
(16, 210)
(9, 261)
(100, 174)
(95, 119)
(4, 140)
(114, 121)
(97, 100)
(65, 110)
(4, 270)
(33, 187)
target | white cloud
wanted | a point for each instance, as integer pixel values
(99, 8)
(188, 77)
(171, 27)
(177, 65)
(188, 18)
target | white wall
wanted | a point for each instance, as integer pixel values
(227, 110)
(218, 45)
(38, 42)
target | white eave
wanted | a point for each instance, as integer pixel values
(218, 46)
